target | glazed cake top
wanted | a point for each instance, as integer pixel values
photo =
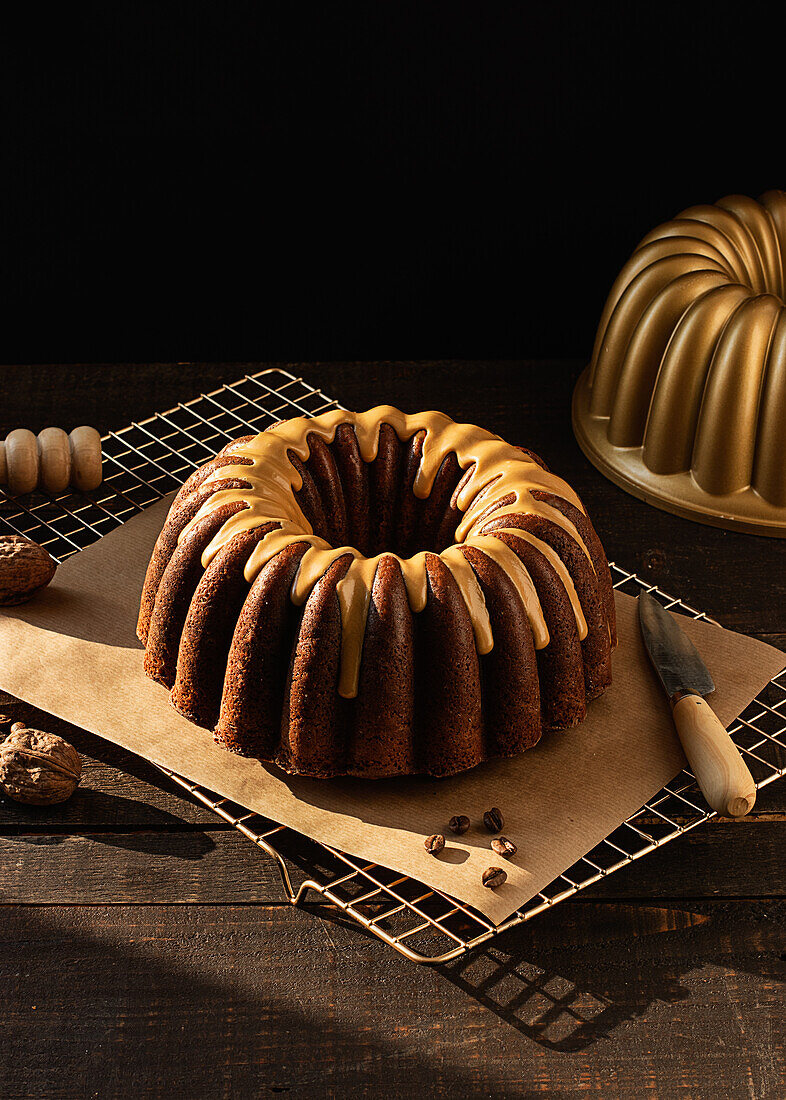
(498, 480)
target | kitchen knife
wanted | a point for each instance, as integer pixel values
(715, 760)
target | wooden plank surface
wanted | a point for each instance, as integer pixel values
(240, 1001)
(145, 945)
(217, 864)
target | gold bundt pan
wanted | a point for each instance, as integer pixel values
(684, 401)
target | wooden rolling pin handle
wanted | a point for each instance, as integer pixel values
(715, 760)
(51, 462)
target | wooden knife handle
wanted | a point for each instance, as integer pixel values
(715, 760)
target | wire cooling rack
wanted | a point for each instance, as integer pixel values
(151, 458)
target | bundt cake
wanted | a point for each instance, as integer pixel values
(378, 594)
(684, 400)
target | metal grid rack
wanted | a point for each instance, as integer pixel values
(151, 458)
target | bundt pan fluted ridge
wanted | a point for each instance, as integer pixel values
(684, 401)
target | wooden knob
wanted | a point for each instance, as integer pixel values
(21, 453)
(54, 455)
(85, 458)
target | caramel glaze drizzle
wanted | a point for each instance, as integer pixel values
(494, 472)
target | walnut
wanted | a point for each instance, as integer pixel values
(25, 567)
(39, 768)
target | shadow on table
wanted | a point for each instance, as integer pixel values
(600, 967)
(586, 969)
(156, 1003)
(113, 812)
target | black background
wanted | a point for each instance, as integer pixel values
(216, 181)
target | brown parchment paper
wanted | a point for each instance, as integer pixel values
(73, 652)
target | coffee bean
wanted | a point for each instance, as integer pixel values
(493, 877)
(493, 819)
(459, 824)
(435, 843)
(504, 847)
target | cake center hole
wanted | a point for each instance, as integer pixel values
(373, 508)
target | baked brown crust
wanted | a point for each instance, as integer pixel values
(260, 668)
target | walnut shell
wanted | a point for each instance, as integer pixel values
(39, 768)
(25, 567)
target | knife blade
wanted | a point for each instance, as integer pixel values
(674, 656)
(715, 760)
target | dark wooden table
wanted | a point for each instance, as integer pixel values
(146, 948)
